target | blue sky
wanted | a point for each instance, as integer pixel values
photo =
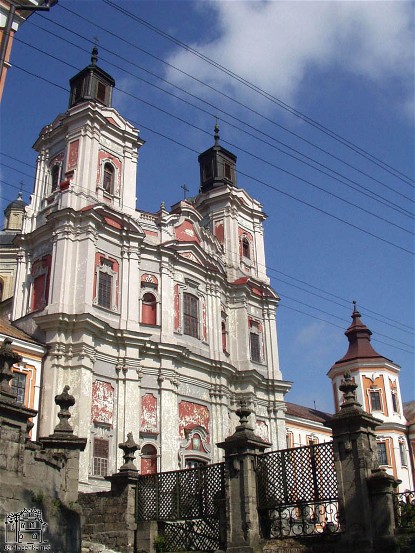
(347, 66)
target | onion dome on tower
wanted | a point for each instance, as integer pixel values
(217, 166)
(13, 214)
(92, 84)
(359, 335)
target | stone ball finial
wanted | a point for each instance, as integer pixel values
(348, 387)
(7, 359)
(243, 413)
(129, 447)
(64, 400)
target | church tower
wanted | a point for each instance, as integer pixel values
(379, 394)
(233, 217)
(160, 323)
(88, 154)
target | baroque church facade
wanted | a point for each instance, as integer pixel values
(160, 323)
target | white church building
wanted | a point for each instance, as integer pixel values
(161, 323)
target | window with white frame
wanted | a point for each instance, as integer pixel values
(108, 178)
(100, 456)
(19, 385)
(106, 283)
(255, 341)
(382, 453)
(402, 453)
(55, 171)
(190, 315)
(101, 441)
(395, 404)
(375, 400)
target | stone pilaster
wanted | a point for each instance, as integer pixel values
(241, 450)
(362, 488)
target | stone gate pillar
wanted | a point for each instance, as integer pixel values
(241, 450)
(363, 487)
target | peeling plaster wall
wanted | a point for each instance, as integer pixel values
(191, 415)
(102, 402)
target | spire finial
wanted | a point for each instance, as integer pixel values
(94, 55)
(216, 131)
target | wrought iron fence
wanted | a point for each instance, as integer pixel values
(188, 505)
(297, 492)
(404, 504)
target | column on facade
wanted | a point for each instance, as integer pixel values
(125, 285)
(259, 250)
(271, 344)
(132, 398)
(64, 269)
(40, 187)
(167, 299)
(22, 285)
(230, 223)
(213, 310)
(169, 422)
(133, 315)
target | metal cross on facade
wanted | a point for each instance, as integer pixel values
(185, 189)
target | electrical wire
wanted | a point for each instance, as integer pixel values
(358, 188)
(255, 179)
(232, 99)
(247, 152)
(265, 94)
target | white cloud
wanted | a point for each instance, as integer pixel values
(274, 44)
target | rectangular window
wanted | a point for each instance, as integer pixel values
(402, 451)
(190, 315)
(382, 453)
(101, 90)
(19, 386)
(255, 347)
(104, 289)
(375, 401)
(228, 173)
(101, 451)
(395, 402)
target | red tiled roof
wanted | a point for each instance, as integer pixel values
(306, 413)
(13, 332)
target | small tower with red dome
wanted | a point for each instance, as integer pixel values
(379, 393)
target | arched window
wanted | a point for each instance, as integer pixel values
(108, 178)
(246, 250)
(223, 326)
(40, 282)
(149, 309)
(148, 459)
(55, 176)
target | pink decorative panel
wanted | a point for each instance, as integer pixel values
(219, 231)
(102, 402)
(191, 415)
(186, 232)
(73, 155)
(149, 413)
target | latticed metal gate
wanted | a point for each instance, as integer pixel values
(297, 492)
(189, 506)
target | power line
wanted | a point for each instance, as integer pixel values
(232, 99)
(370, 194)
(267, 95)
(255, 179)
(290, 173)
(338, 326)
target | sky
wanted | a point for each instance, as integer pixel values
(316, 99)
